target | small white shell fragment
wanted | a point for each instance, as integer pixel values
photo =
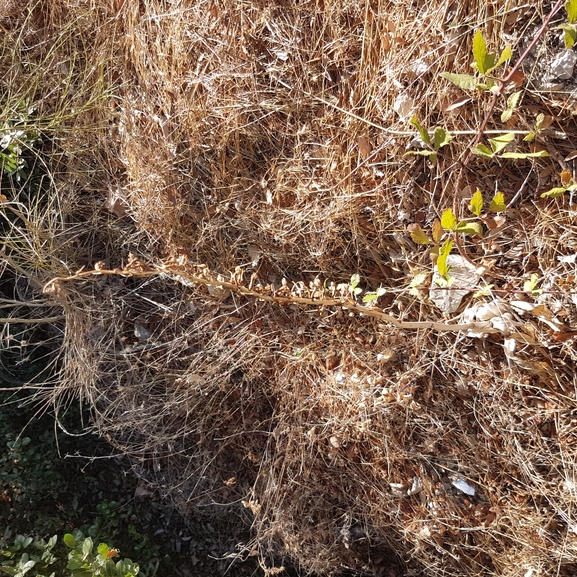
(464, 487)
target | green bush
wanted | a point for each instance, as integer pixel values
(28, 556)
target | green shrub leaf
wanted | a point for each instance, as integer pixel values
(500, 142)
(448, 220)
(464, 81)
(480, 52)
(442, 266)
(554, 193)
(482, 150)
(540, 154)
(476, 205)
(422, 130)
(498, 203)
(469, 228)
(69, 540)
(441, 138)
(571, 7)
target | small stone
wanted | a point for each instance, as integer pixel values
(563, 64)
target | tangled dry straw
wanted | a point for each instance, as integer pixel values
(269, 136)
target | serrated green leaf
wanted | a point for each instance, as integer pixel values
(539, 121)
(423, 132)
(464, 81)
(369, 297)
(540, 154)
(571, 7)
(569, 35)
(506, 115)
(418, 279)
(505, 55)
(448, 220)
(530, 137)
(530, 285)
(103, 548)
(469, 228)
(480, 52)
(418, 235)
(498, 203)
(500, 142)
(476, 204)
(482, 150)
(513, 100)
(441, 138)
(554, 193)
(444, 252)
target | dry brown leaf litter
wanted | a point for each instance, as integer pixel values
(246, 135)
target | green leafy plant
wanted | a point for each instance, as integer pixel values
(27, 556)
(485, 62)
(499, 143)
(449, 224)
(373, 296)
(530, 286)
(38, 558)
(570, 28)
(441, 137)
(83, 561)
(16, 135)
(567, 185)
(512, 102)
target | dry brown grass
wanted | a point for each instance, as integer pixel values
(247, 134)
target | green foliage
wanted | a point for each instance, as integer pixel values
(38, 558)
(45, 494)
(441, 138)
(450, 224)
(498, 203)
(512, 103)
(570, 28)
(499, 143)
(354, 286)
(567, 185)
(476, 204)
(445, 281)
(484, 62)
(530, 286)
(371, 297)
(16, 135)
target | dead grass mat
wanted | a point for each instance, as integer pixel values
(247, 134)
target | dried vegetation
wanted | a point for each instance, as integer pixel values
(265, 141)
